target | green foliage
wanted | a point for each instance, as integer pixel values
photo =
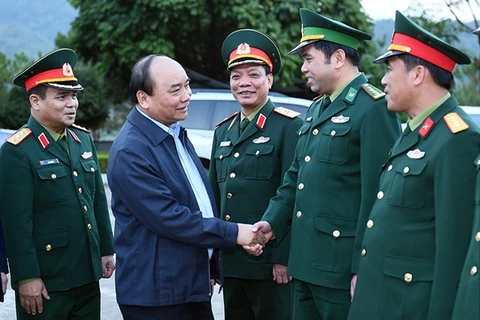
(103, 161)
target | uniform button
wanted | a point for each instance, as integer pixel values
(406, 170)
(380, 195)
(75, 173)
(333, 133)
(229, 195)
(474, 270)
(232, 175)
(390, 167)
(299, 214)
(364, 252)
(92, 169)
(257, 152)
(477, 237)
(54, 176)
(315, 132)
(370, 224)
(48, 247)
(89, 226)
(227, 217)
(85, 208)
(408, 277)
(80, 190)
(336, 234)
(221, 157)
(301, 186)
(478, 162)
(307, 159)
(236, 155)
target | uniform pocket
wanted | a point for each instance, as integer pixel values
(54, 185)
(221, 158)
(333, 146)
(52, 254)
(408, 186)
(90, 167)
(333, 244)
(259, 161)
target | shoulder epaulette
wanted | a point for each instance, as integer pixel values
(317, 97)
(76, 126)
(372, 91)
(227, 118)
(19, 136)
(455, 123)
(286, 112)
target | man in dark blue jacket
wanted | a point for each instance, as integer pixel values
(166, 225)
(3, 265)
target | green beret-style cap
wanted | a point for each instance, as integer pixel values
(250, 46)
(316, 27)
(410, 38)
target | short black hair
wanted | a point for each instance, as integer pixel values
(441, 77)
(141, 78)
(40, 90)
(328, 48)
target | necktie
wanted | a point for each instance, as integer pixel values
(244, 124)
(62, 142)
(326, 102)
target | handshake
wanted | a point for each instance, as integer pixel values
(253, 238)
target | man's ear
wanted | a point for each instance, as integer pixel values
(142, 98)
(338, 58)
(419, 74)
(270, 80)
(34, 100)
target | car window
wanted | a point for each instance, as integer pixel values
(475, 117)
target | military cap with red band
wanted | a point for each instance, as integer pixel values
(248, 46)
(54, 70)
(410, 38)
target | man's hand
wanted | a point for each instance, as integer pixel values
(4, 282)
(280, 274)
(247, 236)
(353, 284)
(31, 296)
(259, 227)
(108, 265)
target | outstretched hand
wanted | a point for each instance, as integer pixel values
(261, 227)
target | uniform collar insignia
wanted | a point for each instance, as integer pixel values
(74, 136)
(261, 121)
(43, 140)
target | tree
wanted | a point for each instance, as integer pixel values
(117, 33)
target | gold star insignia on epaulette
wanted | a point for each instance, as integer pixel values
(372, 91)
(455, 123)
(19, 136)
(286, 112)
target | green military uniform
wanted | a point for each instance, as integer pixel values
(54, 209)
(419, 227)
(330, 187)
(245, 172)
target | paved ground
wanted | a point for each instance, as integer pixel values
(110, 309)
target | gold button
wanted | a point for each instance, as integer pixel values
(85, 208)
(390, 167)
(229, 195)
(232, 175)
(299, 214)
(364, 252)
(257, 153)
(380, 195)
(408, 277)
(477, 237)
(333, 133)
(474, 270)
(406, 170)
(370, 224)
(336, 233)
(307, 159)
(48, 247)
(315, 132)
(221, 157)
(227, 217)
(75, 173)
(54, 176)
(301, 186)
(236, 155)
(80, 190)
(89, 226)
(92, 169)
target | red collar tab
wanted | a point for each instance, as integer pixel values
(74, 136)
(43, 140)
(233, 121)
(426, 127)
(261, 121)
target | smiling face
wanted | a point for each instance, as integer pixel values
(318, 70)
(250, 85)
(57, 110)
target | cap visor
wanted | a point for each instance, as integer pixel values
(387, 55)
(303, 44)
(67, 85)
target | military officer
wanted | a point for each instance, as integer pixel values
(252, 149)
(328, 192)
(54, 210)
(418, 230)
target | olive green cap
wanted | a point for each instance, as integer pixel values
(319, 28)
(247, 46)
(409, 38)
(55, 70)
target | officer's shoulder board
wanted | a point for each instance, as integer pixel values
(76, 126)
(455, 123)
(286, 112)
(19, 136)
(227, 118)
(372, 91)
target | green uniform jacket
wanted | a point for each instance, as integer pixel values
(331, 185)
(419, 228)
(245, 173)
(467, 303)
(54, 210)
